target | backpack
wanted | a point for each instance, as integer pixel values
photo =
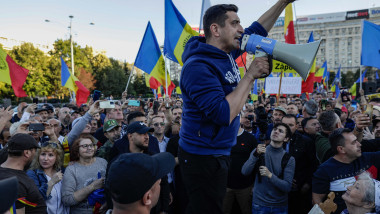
(284, 162)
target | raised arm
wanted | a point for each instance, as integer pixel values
(268, 19)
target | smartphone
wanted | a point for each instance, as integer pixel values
(107, 104)
(134, 103)
(96, 95)
(272, 101)
(36, 127)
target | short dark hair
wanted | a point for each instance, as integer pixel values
(133, 115)
(375, 100)
(290, 116)
(336, 139)
(327, 121)
(304, 122)
(217, 14)
(288, 131)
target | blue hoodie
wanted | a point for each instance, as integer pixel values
(208, 76)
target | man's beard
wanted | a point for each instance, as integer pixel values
(27, 165)
(142, 147)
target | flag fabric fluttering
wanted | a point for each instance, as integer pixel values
(254, 94)
(289, 25)
(150, 60)
(12, 74)
(319, 74)
(151, 82)
(370, 55)
(69, 81)
(335, 84)
(308, 85)
(205, 5)
(354, 86)
(177, 33)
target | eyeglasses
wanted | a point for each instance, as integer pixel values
(54, 145)
(158, 124)
(87, 146)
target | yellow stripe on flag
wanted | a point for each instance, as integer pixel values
(158, 72)
(186, 34)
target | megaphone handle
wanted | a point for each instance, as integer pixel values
(270, 59)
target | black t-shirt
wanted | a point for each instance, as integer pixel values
(28, 189)
(245, 144)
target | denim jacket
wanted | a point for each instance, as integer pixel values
(40, 179)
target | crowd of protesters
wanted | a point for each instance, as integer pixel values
(289, 155)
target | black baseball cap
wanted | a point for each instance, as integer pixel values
(131, 175)
(138, 127)
(20, 142)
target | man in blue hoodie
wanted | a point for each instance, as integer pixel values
(213, 96)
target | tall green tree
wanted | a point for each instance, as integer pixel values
(111, 80)
(35, 60)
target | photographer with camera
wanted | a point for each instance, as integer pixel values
(270, 193)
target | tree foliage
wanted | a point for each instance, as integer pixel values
(94, 71)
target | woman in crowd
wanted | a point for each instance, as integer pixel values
(46, 173)
(360, 197)
(81, 177)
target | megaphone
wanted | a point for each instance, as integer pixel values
(299, 57)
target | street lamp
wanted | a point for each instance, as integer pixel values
(71, 44)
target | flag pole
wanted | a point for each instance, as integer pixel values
(129, 79)
(294, 8)
(360, 76)
(166, 79)
(279, 88)
(200, 22)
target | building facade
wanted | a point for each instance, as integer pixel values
(340, 34)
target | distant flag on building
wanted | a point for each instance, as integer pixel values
(150, 60)
(377, 76)
(12, 74)
(370, 55)
(353, 88)
(205, 5)
(69, 81)
(308, 85)
(289, 25)
(177, 33)
(319, 74)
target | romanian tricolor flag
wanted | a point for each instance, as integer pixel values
(177, 33)
(308, 85)
(159, 92)
(353, 88)
(26, 202)
(150, 60)
(12, 74)
(319, 74)
(69, 81)
(289, 25)
(151, 82)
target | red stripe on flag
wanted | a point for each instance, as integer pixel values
(154, 84)
(290, 36)
(18, 76)
(81, 94)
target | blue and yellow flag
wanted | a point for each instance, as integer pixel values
(353, 87)
(149, 58)
(177, 33)
(254, 94)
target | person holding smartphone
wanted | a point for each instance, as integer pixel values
(47, 175)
